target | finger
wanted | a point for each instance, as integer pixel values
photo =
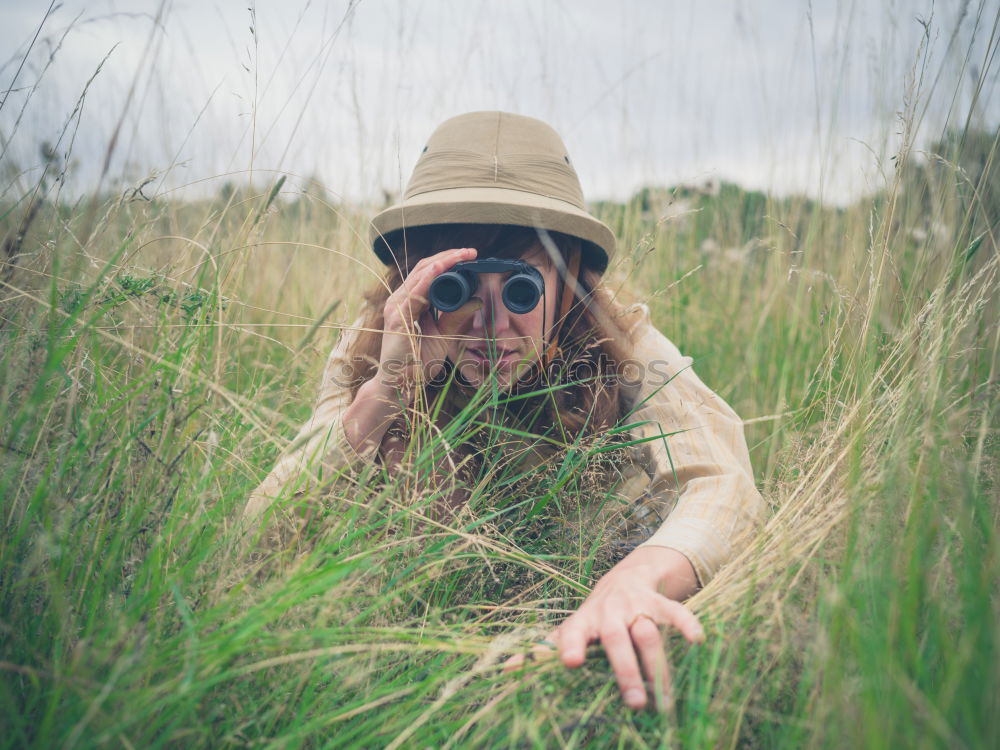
(649, 643)
(401, 311)
(428, 268)
(429, 259)
(617, 643)
(407, 313)
(547, 647)
(543, 649)
(410, 300)
(440, 337)
(514, 663)
(682, 618)
(573, 638)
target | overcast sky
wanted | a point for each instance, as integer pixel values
(784, 95)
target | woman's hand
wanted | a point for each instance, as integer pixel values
(624, 612)
(414, 348)
(414, 345)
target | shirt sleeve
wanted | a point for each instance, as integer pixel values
(702, 462)
(321, 443)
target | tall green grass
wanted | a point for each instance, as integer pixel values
(157, 355)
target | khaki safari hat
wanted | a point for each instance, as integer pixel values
(495, 168)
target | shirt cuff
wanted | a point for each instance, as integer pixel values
(700, 542)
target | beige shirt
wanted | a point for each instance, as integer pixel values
(698, 474)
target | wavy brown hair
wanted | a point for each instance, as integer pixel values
(587, 398)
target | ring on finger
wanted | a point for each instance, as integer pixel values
(638, 615)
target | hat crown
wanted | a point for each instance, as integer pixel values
(493, 168)
(496, 150)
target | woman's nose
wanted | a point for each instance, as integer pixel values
(493, 317)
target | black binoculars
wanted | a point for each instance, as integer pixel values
(521, 291)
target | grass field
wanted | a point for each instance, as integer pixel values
(156, 356)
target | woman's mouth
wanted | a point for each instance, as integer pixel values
(500, 355)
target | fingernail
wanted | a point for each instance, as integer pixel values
(635, 698)
(572, 658)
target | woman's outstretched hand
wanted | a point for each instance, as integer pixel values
(624, 612)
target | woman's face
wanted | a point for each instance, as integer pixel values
(517, 338)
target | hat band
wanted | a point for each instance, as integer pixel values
(528, 173)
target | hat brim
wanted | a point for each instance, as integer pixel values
(478, 205)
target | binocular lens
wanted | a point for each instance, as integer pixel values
(521, 293)
(450, 291)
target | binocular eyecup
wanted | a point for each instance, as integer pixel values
(521, 291)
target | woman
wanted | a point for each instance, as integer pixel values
(499, 185)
